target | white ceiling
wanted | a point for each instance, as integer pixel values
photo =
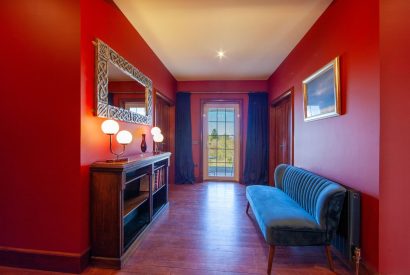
(256, 35)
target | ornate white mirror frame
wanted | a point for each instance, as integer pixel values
(104, 55)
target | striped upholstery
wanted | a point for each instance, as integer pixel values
(303, 208)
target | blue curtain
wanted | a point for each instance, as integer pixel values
(184, 164)
(256, 156)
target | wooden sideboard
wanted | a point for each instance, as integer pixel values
(125, 198)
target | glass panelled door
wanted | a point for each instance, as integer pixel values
(221, 141)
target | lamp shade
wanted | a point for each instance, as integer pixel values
(110, 127)
(158, 138)
(124, 137)
(155, 131)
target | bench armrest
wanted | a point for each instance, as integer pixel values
(278, 175)
(329, 208)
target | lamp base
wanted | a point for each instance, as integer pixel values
(117, 160)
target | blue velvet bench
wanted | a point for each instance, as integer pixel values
(302, 210)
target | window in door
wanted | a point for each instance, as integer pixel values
(221, 142)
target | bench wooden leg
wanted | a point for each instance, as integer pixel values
(247, 208)
(271, 254)
(329, 258)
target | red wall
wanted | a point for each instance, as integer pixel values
(203, 87)
(102, 19)
(344, 148)
(41, 194)
(395, 137)
(50, 134)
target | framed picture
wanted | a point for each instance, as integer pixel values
(321, 93)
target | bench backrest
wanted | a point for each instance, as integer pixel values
(320, 197)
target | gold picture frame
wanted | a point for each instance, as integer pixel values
(321, 92)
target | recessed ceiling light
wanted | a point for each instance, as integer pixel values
(221, 54)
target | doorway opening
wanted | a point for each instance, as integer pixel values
(221, 141)
(163, 112)
(164, 119)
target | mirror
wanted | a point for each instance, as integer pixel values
(122, 91)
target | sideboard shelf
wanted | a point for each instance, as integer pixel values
(159, 189)
(125, 198)
(135, 202)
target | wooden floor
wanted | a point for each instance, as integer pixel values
(205, 231)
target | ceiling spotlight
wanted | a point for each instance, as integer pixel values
(221, 54)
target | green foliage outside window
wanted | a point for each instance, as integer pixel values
(218, 145)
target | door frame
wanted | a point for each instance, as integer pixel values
(238, 101)
(289, 94)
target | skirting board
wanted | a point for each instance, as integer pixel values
(44, 260)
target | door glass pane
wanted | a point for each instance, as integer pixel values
(230, 142)
(212, 114)
(212, 129)
(221, 128)
(212, 142)
(230, 128)
(212, 155)
(230, 114)
(221, 142)
(220, 170)
(221, 114)
(220, 156)
(229, 155)
(212, 170)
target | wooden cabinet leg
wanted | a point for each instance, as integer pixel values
(247, 208)
(329, 257)
(271, 254)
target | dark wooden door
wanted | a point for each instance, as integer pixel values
(162, 120)
(165, 120)
(281, 139)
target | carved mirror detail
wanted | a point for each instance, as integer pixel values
(122, 91)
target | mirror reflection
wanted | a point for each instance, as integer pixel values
(125, 92)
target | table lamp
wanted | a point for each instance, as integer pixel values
(110, 127)
(157, 137)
